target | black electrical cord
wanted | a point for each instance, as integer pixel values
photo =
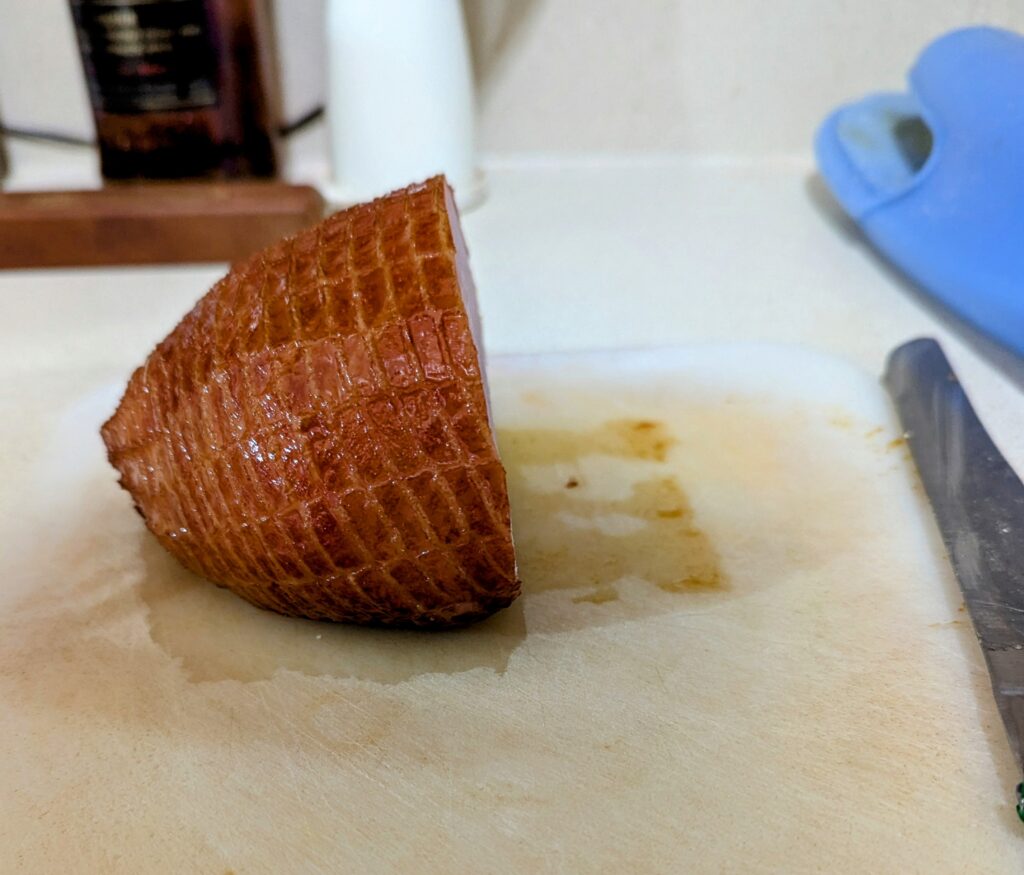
(47, 136)
(285, 130)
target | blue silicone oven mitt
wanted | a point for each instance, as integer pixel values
(935, 177)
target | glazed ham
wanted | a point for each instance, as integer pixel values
(314, 434)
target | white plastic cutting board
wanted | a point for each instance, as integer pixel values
(738, 649)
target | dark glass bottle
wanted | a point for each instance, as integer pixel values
(179, 88)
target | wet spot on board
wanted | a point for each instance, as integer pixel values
(218, 636)
(598, 596)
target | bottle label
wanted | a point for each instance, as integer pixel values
(147, 55)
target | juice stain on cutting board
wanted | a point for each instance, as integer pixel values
(591, 508)
(219, 636)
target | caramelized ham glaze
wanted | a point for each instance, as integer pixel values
(314, 434)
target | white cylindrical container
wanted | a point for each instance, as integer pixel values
(400, 98)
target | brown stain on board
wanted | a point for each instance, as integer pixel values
(572, 534)
(946, 624)
(637, 439)
(218, 636)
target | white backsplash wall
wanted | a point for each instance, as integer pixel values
(707, 76)
(732, 77)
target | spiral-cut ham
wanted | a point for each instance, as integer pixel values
(314, 434)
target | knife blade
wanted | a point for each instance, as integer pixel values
(978, 502)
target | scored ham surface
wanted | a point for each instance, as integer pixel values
(314, 434)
